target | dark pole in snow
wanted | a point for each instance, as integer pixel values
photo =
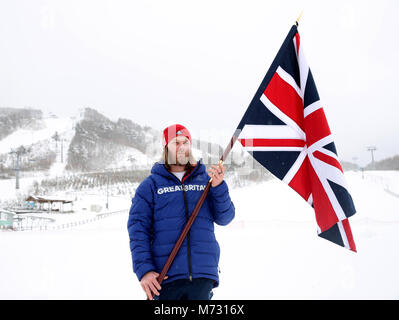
(17, 172)
(62, 150)
(19, 152)
(106, 206)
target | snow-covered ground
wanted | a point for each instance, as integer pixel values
(270, 251)
(389, 180)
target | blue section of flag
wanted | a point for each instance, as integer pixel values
(278, 162)
(290, 64)
(344, 198)
(311, 94)
(331, 147)
(333, 235)
(258, 114)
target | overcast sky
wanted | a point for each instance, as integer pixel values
(199, 63)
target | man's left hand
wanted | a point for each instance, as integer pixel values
(217, 174)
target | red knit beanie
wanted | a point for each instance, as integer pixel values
(173, 131)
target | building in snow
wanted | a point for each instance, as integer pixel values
(48, 203)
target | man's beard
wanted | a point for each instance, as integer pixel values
(181, 159)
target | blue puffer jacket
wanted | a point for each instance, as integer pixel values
(159, 211)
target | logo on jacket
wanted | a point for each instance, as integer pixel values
(190, 187)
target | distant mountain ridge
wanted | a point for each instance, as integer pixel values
(98, 141)
(89, 142)
(391, 163)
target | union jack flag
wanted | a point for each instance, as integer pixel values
(286, 131)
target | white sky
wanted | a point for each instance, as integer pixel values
(199, 63)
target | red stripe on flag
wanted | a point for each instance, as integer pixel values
(325, 214)
(298, 40)
(300, 182)
(316, 127)
(285, 97)
(272, 142)
(349, 236)
(330, 160)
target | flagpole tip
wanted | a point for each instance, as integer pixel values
(297, 20)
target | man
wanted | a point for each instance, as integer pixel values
(159, 211)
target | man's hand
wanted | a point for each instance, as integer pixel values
(217, 174)
(150, 284)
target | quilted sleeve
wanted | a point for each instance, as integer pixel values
(223, 207)
(140, 229)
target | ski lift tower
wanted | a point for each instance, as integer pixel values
(372, 149)
(18, 152)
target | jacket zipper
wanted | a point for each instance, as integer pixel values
(188, 234)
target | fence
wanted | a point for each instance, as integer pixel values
(383, 181)
(31, 225)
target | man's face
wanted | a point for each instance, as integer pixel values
(179, 150)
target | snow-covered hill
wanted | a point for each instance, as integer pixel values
(25, 136)
(41, 151)
(11, 119)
